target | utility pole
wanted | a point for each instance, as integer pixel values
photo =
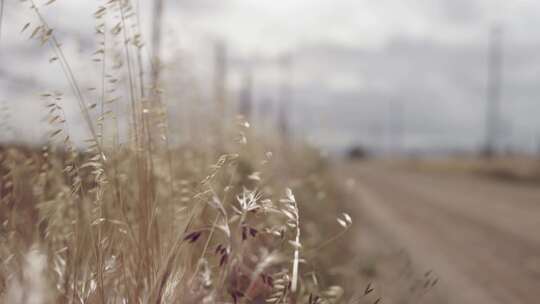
(396, 111)
(393, 127)
(156, 41)
(285, 97)
(494, 77)
(1, 16)
(246, 95)
(154, 103)
(220, 91)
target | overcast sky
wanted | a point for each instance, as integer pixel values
(383, 73)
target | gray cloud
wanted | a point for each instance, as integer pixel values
(438, 92)
(359, 67)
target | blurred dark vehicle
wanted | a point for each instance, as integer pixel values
(357, 153)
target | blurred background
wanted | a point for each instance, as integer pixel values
(394, 77)
(450, 86)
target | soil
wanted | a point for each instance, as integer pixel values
(438, 237)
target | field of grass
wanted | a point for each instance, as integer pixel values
(77, 229)
(134, 218)
(513, 169)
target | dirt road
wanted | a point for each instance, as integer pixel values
(481, 236)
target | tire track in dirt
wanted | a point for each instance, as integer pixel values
(479, 261)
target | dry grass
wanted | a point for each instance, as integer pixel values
(218, 234)
(135, 220)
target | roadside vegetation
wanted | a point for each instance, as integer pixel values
(231, 216)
